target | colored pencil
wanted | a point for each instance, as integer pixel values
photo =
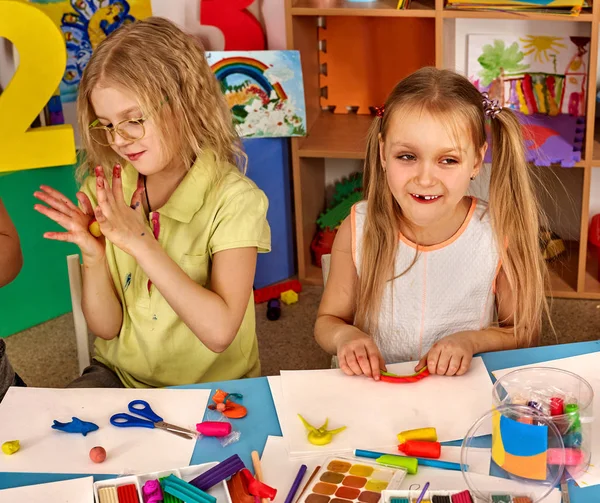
(296, 484)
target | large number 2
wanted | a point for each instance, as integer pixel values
(42, 62)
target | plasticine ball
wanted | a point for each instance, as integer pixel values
(221, 407)
(98, 454)
(94, 228)
(11, 447)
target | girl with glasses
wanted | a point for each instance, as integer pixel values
(167, 285)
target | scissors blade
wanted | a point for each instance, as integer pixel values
(176, 430)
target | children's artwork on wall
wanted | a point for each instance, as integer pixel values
(264, 90)
(531, 73)
(86, 23)
(550, 139)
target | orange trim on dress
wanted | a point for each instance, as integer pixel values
(448, 241)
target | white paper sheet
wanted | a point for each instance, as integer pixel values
(27, 414)
(585, 366)
(375, 412)
(280, 470)
(66, 491)
(454, 481)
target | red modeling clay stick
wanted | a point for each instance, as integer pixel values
(421, 449)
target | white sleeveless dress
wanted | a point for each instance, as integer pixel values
(450, 288)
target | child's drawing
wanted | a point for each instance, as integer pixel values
(264, 90)
(531, 73)
(86, 23)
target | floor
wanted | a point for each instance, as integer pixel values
(45, 355)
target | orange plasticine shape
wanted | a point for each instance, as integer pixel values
(232, 410)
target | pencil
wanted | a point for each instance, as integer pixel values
(296, 484)
(258, 474)
(309, 481)
(422, 495)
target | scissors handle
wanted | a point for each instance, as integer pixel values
(142, 408)
(127, 421)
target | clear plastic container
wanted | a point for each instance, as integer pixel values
(564, 398)
(526, 447)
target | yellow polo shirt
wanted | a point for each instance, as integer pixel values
(202, 217)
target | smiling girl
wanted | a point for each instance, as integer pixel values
(167, 288)
(421, 271)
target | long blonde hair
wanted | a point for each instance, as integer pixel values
(514, 211)
(158, 63)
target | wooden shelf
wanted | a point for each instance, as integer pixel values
(379, 8)
(563, 272)
(340, 136)
(525, 16)
(358, 73)
(592, 285)
(596, 154)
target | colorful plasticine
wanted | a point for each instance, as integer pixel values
(463, 497)
(108, 495)
(75, 426)
(187, 492)
(321, 435)
(441, 499)
(411, 465)
(427, 434)
(214, 428)
(238, 489)
(128, 494)
(11, 447)
(226, 406)
(421, 448)
(94, 228)
(557, 406)
(257, 488)
(98, 454)
(219, 473)
(152, 492)
(394, 378)
(572, 457)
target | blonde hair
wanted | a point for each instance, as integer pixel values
(158, 63)
(514, 211)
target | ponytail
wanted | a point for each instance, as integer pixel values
(515, 217)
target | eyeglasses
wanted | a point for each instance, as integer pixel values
(128, 129)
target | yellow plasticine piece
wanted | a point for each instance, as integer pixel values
(94, 228)
(11, 447)
(428, 434)
(289, 297)
(320, 436)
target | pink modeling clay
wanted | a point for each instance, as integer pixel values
(214, 428)
(152, 492)
(573, 457)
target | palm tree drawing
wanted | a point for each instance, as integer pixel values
(496, 61)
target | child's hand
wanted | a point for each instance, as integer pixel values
(122, 224)
(449, 356)
(359, 355)
(73, 219)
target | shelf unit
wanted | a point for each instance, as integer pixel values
(342, 136)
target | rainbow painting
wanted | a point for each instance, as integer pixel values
(264, 90)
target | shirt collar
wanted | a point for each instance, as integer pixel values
(189, 195)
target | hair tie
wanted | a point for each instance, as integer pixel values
(379, 111)
(491, 108)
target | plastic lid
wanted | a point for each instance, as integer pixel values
(526, 447)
